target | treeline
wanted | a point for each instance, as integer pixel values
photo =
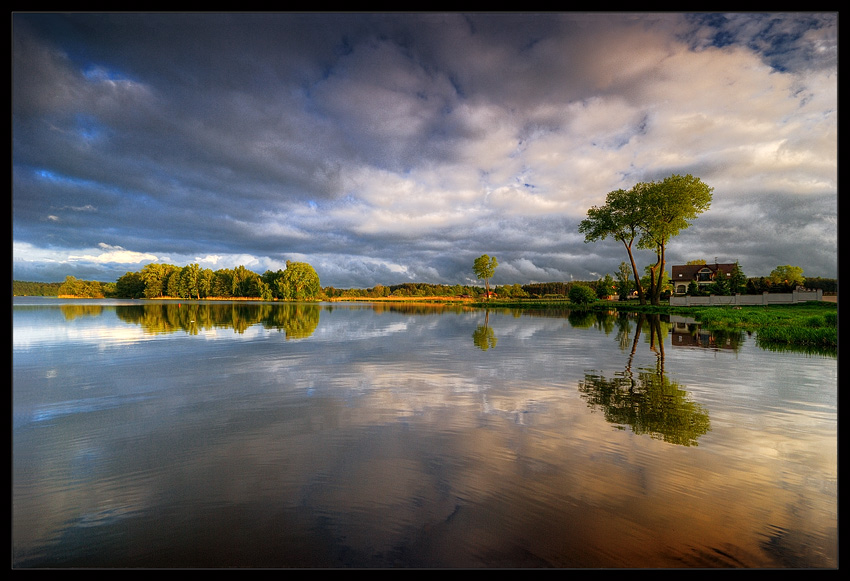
(22, 288)
(90, 289)
(827, 285)
(762, 284)
(418, 289)
(407, 289)
(298, 282)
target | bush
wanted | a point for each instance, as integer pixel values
(582, 295)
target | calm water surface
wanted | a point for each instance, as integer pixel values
(282, 435)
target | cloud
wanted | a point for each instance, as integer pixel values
(114, 254)
(404, 145)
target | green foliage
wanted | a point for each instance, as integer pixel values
(21, 288)
(514, 291)
(827, 285)
(541, 289)
(813, 323)
(814, 336)
(651, 213)
(299, 282)
(582, 295)
(155, 276)
(605, 286)
(621, 218)
(694, 289)
(73, 287)
(737, 280)
(245, 283)
(625, 285)
(484, 268)
(788, 275)
(130, 286)
(720, 286)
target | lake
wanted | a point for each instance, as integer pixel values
(245, 434)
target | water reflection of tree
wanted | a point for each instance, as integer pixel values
(484, 337)
(71, 312)
(416, 308)
(297, 320)
(646, 399)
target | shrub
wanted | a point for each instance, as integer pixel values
(582, 295)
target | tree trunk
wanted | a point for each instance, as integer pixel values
(638, 286)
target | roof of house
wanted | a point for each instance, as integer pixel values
(689, 271)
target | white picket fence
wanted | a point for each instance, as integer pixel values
(762, 299)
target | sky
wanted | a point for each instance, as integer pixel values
(384, 148)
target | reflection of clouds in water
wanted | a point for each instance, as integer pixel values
(407, 442)
(34, 337)
(347, 332)
(51, 412)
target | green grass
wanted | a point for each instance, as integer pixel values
(812, 323)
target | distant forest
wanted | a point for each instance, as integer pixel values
(21, 288)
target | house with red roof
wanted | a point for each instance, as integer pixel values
(681, 276)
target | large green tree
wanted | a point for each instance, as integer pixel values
(669, 207)
(737, 279)
(300, 282)
(787, 275)
(130, 286)
(650, 213)
(484, 268)
(190, 281)
(621, 218)
(155, 276)
(624, 281)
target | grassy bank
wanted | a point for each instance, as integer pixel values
(813, 323)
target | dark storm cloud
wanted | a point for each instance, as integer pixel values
(383, 148)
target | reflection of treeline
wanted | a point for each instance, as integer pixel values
(297, 320)
(410, 308)
(71, 312)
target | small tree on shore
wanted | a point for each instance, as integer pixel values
(484, 267)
